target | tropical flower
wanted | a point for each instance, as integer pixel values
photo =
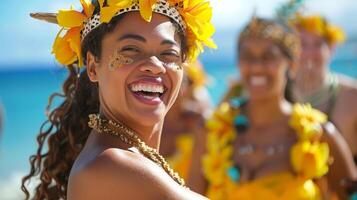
(197, 15)
(310, 159)
(67, 48)
(113, 6)
(216, 164)
(307, 121)
(301, 189)
(316, 24)
(335, 35)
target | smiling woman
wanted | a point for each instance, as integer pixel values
(134, 51)
(259, 145)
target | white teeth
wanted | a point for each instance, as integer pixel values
(147, 88)
(148, 97)
(258, 80)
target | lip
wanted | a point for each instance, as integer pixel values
(151, 81)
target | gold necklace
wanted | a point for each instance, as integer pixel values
(129, 137)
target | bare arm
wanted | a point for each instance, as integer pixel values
(118, 174)
(343, 166)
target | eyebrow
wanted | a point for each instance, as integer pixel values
(132, 36)
(169, 42)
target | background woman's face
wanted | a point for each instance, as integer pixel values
(315, 56)
(262, 67)
(143, 90)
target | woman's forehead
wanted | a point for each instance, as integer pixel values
(258, 44)
(160, 27)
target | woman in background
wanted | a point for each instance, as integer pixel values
(259, 145)
(331, 93)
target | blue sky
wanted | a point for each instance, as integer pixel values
(25, 41)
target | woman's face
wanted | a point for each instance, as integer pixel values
(142, 90)
(315, 54)
(262, 67)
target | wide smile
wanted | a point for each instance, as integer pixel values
(148, 90)
(258, 80)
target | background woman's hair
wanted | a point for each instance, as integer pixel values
(66, 129)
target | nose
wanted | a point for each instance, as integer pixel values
(153, 65)
(257, 66)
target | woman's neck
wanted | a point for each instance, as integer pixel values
(149, 134)
(267, 111)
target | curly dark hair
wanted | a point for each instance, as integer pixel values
(66, 130)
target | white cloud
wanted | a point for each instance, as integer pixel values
(10, 188)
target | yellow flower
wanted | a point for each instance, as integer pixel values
(113, 6)
(301, 189)
(316, 24)
(67, 49)
(312, 23)
(335, 35)
(197, 15)
(307, 122)
(252, 191)
(146, 7)
(218, 192)
(310, 159)
(216, 164)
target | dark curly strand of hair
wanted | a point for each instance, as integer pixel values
(66, 129)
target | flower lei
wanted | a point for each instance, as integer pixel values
(197, 15)
(309, 157)
(318, 25)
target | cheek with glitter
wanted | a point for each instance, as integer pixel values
(118, 60)
(173, 66)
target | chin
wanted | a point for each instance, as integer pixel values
(149, 117)
(260, 96)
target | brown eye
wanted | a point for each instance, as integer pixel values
(130, 50)
(170, 55)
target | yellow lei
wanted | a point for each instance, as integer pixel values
(309, 159)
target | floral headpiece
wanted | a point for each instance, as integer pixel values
(192, 16)
(320, 26)
(269, 29)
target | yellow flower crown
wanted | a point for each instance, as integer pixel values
(320, 26)
(193, 17)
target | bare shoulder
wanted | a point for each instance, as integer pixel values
(348, 85)
(339, 150)
(117, 173)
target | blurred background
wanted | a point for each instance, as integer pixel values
(29, 73)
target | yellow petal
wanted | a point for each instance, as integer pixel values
(87, 7)
(70, 18)
(73, 37)
(120, 3)
(146, 7)
(107, 13)
(62, 50)
(101, 3)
